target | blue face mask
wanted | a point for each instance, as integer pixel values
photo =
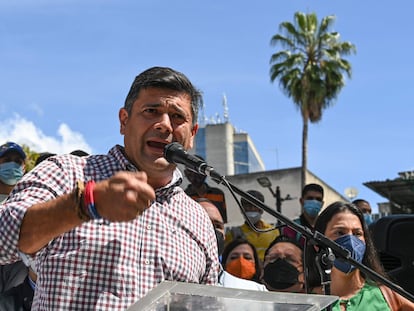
(312, 207)
(254, 217)
(356, 248)
(368, 219)
(10, 173)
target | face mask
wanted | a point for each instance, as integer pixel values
(368, 219)
(241, 268)
(312, 207)
(10, 173)
(356, 248)
(254, 217)
(220, 241)
(280, 274)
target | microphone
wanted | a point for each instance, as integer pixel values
(175, 153)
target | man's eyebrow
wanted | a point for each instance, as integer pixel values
(170, 105)
(178, 109)
(218, 222)
(153, 104)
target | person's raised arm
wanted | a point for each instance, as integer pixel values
(122, 197)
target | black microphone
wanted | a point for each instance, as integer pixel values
(175, 153)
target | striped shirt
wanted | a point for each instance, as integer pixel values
(104, 265)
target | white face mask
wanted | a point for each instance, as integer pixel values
(254, 217)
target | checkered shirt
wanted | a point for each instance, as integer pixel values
(104, 265)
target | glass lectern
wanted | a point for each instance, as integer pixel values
(177, 296)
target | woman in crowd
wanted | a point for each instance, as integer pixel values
(240, 259)
(345, 224)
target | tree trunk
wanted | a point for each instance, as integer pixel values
(304, 152)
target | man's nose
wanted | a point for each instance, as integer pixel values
(164, 123)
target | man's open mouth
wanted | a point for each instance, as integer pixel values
(156, 144)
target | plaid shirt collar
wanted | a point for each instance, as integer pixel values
(162, 193)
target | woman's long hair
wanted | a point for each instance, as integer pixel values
(371, 259)
(232, 245)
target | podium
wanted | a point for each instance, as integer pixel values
(178, 296)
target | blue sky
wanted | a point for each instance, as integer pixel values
(66, 67)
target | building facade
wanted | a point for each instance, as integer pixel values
(234, 155)
(228, 151)
(288, 181)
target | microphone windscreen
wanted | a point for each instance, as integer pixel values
(172, 150)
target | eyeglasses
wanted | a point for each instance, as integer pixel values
(313, 198)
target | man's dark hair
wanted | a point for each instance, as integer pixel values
(312, 187)
(164, 77)
(43, 156)
(257, 194)
(79, 153)
(286, 239)
(358, 201)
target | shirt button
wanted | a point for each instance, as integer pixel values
(149, 227)
(147, 262)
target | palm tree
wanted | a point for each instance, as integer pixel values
(31, 157)
(311, 69)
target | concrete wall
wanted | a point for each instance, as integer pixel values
(288, 181)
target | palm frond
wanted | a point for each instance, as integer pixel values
(284, 42)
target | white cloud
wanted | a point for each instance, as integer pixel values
(37, 109)
(23, 131)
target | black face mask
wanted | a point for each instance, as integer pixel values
(220, 241)
(280, 274)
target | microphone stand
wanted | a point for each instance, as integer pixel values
(330, 249)
(324, 261)
(175, 153)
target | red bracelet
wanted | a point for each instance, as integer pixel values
(89, 200)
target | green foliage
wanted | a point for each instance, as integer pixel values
(310, 68)
(31, 157)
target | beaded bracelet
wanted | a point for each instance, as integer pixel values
(89, 200)
(79, 201)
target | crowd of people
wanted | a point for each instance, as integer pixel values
(98, 232)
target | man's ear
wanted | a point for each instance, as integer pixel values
(193, 133)
(123, 119)
(194, 130)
